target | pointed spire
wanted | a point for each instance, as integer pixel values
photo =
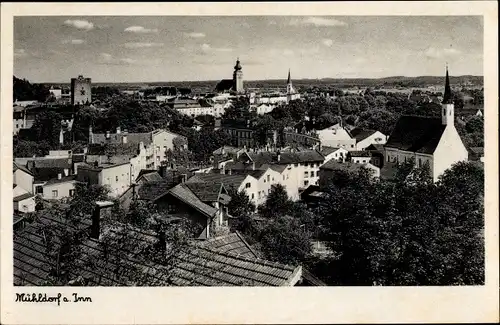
(289, 79)
(447, 99)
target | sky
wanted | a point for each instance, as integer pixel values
(191, 48)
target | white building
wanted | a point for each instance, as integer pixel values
(430, 140)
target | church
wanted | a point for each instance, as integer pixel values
(428, 140)
(232, 85)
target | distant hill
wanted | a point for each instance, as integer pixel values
(209, 85)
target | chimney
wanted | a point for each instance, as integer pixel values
(124, 138)
(162, 170)
(59, 176)
(118, 130)
(279, 156)
(95, 229)
(108, 134)
(66, 171)
(183, 178)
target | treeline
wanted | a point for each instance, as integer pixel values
(409, 231)
(24, 90)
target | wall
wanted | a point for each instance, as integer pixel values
(63, 190)
(117, 178)
(361, 145)
(337, 138)
(27, 205)
(251, 191)
(162, 140)
(341, 153)
(449, 151)
(23, 180)
(395, 155)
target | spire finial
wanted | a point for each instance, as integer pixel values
(447, 99)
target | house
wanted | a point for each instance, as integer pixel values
(244, 133)
(295, 170)
(205, 204)
(24, 201)
(377, 152)
(156, 143)
(114, 176)
(359, 157)
(23, 177)
(148, 176)
(337, 136)
(222, 261)
(45, 169)
(60, 187)
(225, 154)
(366, 137)
(428, 140)
(467, 113)
(328, 170)
(329, 153)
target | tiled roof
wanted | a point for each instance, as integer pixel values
(416, 134)
(233, 243)
(16, 166)
(151, 177)
(132, 138)
(360, 134)
(70, 178)
(286, 158)
(183, 193)
(63, 163)
(227, 149)
(151, 190)
(23, 197)
(477, 150)
(205, 191)
(233, 180)
(375, 147)
(325, 150)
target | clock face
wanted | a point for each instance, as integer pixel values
(82, 92)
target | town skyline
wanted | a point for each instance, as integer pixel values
(131, 49)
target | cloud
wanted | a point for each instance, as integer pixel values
(327, 42)
(288, 52)
(74, 41)
(207, 48)
(136, 45)
(79, 24)
(140, 30)
(108, 59)
(272, 22)
(20, 53)
(435, 53)
(317, 21)
(195, 35)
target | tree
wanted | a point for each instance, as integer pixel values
(47, 126)
(277, 203)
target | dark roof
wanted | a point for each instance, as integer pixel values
(23, 197)
(375, 147)
(151, 190)
(184, 194)
(326, 150)
(205, 191)
(447, 97)
(477, 150)
(360, 134)
(232, 243)
(16, 166)
(64, 179)
(132, 138)
(227, 149)
(416, 134)
(361, 153)
(151, 177)
(333, 164)
(233, 180)
(63, 163)
(224, 85)
(286, 158)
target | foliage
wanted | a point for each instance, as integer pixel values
(408, 232)
(27, 148)
(277, 203)
(24, 90)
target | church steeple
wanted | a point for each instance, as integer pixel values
(447, 98)
(289, 81)
(447, 107)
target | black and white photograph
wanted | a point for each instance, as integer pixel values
(247, 151)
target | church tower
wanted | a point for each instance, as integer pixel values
(289, 87)
(447, 106)
(238, 77)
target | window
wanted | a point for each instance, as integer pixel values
(306, 174)
(287, 176)
(54, 193)
(268, 178)
(352, 146)
(296, 165)
(283, 177)
(306, 183)
(253, 196)
(248, 185)
(39, 189)
(116, 178)
(312, 174)
(71, 193)
(419, 162)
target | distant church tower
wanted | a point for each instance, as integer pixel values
(291, 94)
(448, 108)
(238, 77)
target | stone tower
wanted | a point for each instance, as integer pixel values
(447, 106)
(238, 77)
(81, 90)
